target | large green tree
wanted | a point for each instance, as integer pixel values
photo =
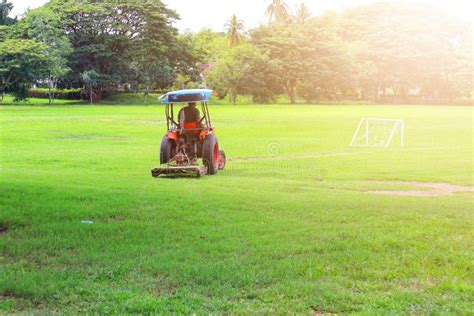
(395, 48)
(22, 62)
(305, 53)
(108, 36)
(245, 70)
(203, 49)
(43, 25)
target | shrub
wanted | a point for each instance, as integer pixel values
(63, 94)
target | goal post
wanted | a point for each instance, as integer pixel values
(378, 132)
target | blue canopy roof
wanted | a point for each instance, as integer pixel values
(188, 95)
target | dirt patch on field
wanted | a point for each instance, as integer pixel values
(424, 189)
(321, 313)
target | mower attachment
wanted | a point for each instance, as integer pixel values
(196, 170)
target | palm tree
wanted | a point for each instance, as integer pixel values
(302, 13)
(234, 26)
(5, 8)
(278, 11)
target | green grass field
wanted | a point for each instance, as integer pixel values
(288, 227)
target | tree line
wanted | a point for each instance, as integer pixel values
(384, 52)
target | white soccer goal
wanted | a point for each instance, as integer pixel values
(378, 132)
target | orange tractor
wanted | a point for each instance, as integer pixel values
(190, 137)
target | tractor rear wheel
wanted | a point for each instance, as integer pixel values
(167, 149)
(210, 153)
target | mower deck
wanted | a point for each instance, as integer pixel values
(197, 170)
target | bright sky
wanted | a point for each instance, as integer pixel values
(214, 13)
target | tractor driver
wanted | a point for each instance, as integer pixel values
(189, 115)
(190, 118)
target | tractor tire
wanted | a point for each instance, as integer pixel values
(222, 159)
(167, 149)
(210, 154)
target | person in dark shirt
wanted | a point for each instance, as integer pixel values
(190, 118)
(189, 114)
